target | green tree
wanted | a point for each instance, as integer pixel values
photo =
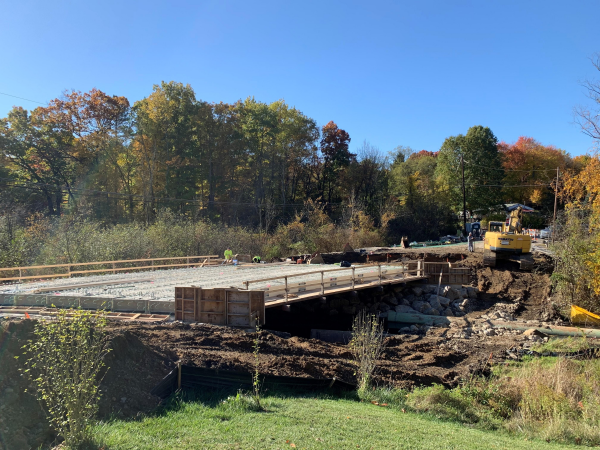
(423, 208)
(482, 168)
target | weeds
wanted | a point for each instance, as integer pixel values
(256, 385)
(366, 347)
(242, 402)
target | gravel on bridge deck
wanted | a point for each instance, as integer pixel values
(160, 284)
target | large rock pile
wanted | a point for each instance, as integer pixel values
(426, 299)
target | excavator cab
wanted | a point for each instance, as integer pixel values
(508, 242)
(495, 227)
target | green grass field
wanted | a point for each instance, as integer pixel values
(303, 422)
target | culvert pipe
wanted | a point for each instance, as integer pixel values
(554, 330)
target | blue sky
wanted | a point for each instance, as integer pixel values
(393, 73)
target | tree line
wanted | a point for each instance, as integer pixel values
(253, 164)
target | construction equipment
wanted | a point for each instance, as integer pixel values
(507, 241)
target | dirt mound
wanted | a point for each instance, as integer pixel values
(134, 369)
(23, 424)
(408, 360)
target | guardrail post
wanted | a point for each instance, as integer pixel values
(69, 270)
(353, 269)
(322, 284)
(286, 289)
(379, 266)
(20, 275)
(247, 284)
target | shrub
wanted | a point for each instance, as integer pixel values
(65, 363)
(366, 347)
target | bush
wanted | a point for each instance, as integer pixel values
(65, 364)
(576, 276)
(555, 399)
(366, 347)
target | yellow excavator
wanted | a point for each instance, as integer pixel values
(508, 242)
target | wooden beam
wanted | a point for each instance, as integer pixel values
(105, 262)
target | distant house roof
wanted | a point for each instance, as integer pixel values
(513, 206)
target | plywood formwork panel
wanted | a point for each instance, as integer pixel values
(221, 306)
(211, 306)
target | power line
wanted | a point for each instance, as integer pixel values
(508, 185)
(510, 170)
(22, 98)
(94, 193)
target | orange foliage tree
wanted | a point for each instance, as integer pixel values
(577, 273)
(530, 170)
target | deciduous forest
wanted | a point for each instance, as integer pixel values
(268, 172)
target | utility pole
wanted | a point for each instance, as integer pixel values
(555, 197)
(462, 166)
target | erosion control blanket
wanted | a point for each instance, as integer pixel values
(198, 377)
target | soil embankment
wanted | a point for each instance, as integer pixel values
(144, 353)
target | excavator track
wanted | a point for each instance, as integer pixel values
(489, 258)
(526, 262)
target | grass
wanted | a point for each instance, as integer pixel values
(568, 344)
(305, 422)
(543, 402)
(549, 398)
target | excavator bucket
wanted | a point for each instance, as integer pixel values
(526, 262)
(489, 258)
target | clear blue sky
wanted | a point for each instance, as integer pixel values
(392, 72)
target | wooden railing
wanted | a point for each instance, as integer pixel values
(347, 282)
(66, 270)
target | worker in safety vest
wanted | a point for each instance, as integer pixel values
(228, 255)
(256, 259)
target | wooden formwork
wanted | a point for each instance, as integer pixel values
(220, 306)
(111, 315)
(449, 274)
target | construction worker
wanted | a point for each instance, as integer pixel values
(228, 255)
(470, 241)
(256, 259)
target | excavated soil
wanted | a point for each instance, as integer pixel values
(144, 353)
(408, 360)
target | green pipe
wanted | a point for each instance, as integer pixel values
(401, 319)
(551, 330)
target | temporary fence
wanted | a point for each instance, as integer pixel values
(190, 377)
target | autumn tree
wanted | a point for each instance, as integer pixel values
(577, 238)
(335, 155)
(39, 153)
(95, 129)
(530, 171)
(166, 143)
